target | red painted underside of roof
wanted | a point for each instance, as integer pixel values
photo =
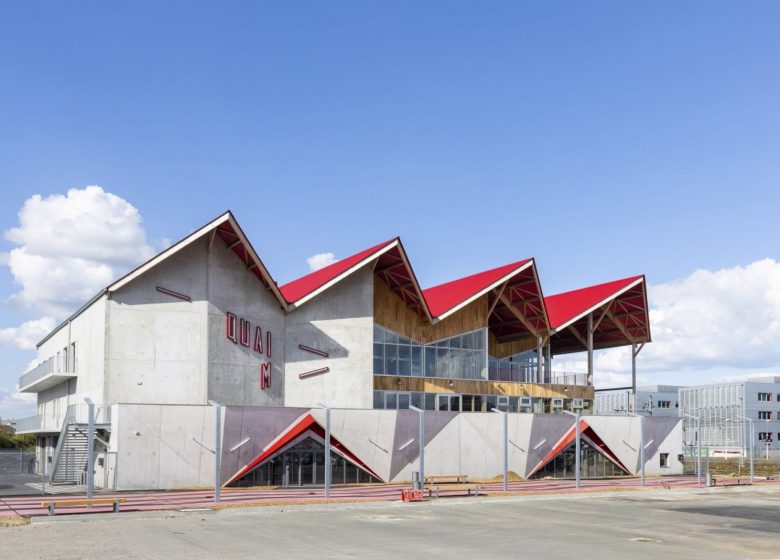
(445, 296)
(300, 288)
(562, 308)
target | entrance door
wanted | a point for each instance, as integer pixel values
(448, 402)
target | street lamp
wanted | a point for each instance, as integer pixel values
(217, 450)
(327, 448)
(750, 426)
(641, 448)
(421, 443)
(90, 447)
(698, 445)
(576, 445)
(506, 447)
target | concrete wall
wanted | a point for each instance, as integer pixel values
(234, 369)
(340, 322)
(156, 350)
(155, 446)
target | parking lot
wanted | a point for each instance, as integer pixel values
(692, 524)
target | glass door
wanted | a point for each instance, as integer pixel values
(449, 402)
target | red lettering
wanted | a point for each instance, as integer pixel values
(230, 327)
(265, 375)
(268, 344)
(244, 332)
(258, 347)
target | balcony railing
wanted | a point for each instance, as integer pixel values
(44, 375)
(76, 414)
(529, 375)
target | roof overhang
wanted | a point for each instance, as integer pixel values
(517, 308)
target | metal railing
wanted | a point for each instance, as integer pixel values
(529, 375)
(17, 461)
(29, 424)
(52, 365)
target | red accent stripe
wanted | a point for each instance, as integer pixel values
(313, 372)
(313, 351)
(171, 293)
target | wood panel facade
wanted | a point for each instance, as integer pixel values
(479, 387)
(391, 312)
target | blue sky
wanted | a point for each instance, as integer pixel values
(606, 139)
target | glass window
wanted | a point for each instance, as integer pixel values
(391, 337)
(430, 401)
(417, 400)
(391, 359)
(379, 358)
(430, 362)
(417, 365)
(379, 399)
(404, 360)
(379, 334)
(403, 400)
(403, 340)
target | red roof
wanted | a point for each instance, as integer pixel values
(302, 287)
(568, 306)
(447, 296)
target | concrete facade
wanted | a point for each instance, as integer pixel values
(158, 441)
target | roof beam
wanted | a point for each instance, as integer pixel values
(519, 315)
(579, 337)
(620, 326)
(498, 298)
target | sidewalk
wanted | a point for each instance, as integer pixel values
(238, 497)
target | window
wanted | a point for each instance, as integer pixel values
(764, 397)
(459, 357)
(764, 415)
(664, 404)
(664, 457)
(765, 436)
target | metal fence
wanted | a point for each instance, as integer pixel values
(17, 461)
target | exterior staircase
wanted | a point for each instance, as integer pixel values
(69, 465)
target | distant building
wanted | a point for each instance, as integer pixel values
(721, 409)
(652, 400)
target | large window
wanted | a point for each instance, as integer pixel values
(764, 415)
(458, 357)
(520, 368)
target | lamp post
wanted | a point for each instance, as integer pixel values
(752, 435)
(421, 443)
(90, 447)
(217, 450)
(506, 447)
(698, 445)
(576, 446)
(327, 449)
(641, 448)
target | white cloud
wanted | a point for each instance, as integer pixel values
(26, 335)
(71, 246)
(320, 260)
(14, 404)
(709, 327)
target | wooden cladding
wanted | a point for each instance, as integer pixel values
(477, 387)
(505, 349)
(391, 312)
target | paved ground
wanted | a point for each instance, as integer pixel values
(691, 524)
(147, 501)
(15, 484)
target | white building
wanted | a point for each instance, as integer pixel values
(204, 321)
(722, 408)
(652, 400)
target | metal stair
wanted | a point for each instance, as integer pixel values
(69, 465)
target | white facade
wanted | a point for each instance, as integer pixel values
(652, 400)
(721, 409)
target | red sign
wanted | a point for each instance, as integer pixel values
(239, 331)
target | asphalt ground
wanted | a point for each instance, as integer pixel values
(731, 523)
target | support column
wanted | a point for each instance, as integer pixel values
(590, 349)
(539, 359)
(633, 377)
(548, 362)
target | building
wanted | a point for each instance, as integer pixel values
(653, 400)
(721, 409)
(204, 321)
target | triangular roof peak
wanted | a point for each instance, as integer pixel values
(225, 227)
(445, 299)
